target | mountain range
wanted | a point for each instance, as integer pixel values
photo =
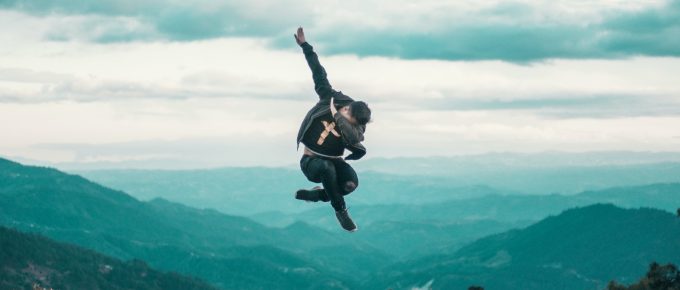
(498, 241)
(408, 181)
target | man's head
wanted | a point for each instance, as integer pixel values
(357, 113)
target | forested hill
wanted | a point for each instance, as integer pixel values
(582, 248)
(227, 251)
(29, 259)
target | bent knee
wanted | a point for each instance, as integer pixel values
(327, 166)
(350, 186)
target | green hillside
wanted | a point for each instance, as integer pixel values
(28, 258)
(582, 248)
(228, 251)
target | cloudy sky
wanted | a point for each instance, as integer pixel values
(170, 84)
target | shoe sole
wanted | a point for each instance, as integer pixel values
(351, 231)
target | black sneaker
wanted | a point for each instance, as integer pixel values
(311, 195)
(345, 220)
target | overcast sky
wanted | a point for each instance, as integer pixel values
(222, 83)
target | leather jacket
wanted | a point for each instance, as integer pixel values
(351, 135)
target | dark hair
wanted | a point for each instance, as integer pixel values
(360, 112)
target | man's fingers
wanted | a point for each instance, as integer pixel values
(299, 36)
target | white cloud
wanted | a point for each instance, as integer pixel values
(89, 102)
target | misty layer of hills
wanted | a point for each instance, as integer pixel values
(248, 191)
(495, 240)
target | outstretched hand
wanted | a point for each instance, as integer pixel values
(300, 36)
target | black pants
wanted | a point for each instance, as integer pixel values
(338, 177)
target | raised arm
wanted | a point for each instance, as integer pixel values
(321, 85)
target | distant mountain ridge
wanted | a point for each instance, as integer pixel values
(241, 191)
(421, 163)
(533, 159)
(400, 180)
(505, 208)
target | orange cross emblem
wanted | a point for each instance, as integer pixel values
(329, 128)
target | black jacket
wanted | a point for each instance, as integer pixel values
(351, 135)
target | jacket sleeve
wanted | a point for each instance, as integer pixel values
(352, 136)
(321, 85)
(358, 151)
(350, 133)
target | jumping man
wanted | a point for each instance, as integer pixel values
(334, 124)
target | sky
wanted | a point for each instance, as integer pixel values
(187, 84)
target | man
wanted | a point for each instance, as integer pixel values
(334, 124)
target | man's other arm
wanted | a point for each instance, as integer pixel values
(321, 85)
(352, 134)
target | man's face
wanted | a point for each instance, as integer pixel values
(345, 112)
